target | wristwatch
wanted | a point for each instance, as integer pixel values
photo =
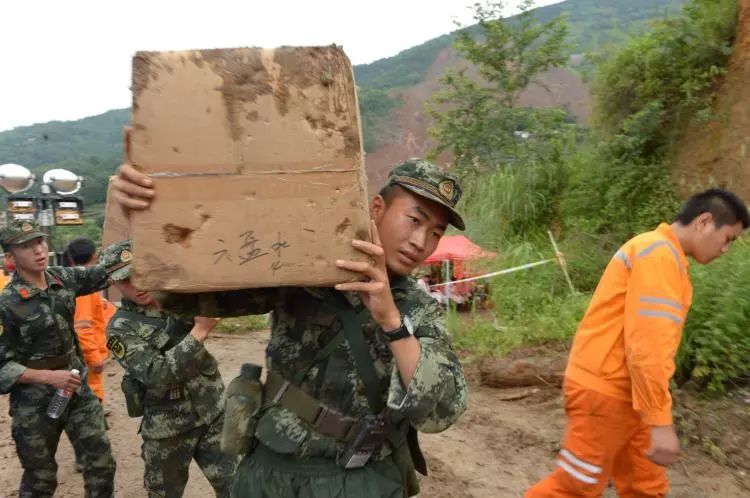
(405, 330)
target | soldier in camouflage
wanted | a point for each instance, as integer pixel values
(318, 391)
(38, 348)
(177, 382)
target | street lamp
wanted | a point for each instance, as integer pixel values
(67, 206)
(14, 178)
(56, 205)
(62, 181)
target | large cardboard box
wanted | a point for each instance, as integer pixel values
(257, 160)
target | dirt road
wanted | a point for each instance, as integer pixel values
(496, 450)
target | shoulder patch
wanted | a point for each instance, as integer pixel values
(115, 345)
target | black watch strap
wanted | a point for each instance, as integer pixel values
(404, 331)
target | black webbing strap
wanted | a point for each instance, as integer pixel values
(322, 354)
(352, 323)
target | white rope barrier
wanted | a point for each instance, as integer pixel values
(496, 273)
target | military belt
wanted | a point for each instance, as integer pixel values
(325, 420)
(61, 362)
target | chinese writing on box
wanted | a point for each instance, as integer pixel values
(250, 247)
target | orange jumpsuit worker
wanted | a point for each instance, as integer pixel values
(91, 331)
(617, 381)
(89, 321)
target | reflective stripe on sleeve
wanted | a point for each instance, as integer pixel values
(624, 258)
(660, 300)
(661, 314)
(645, 252)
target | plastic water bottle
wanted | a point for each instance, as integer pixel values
(60, 400)
(244, 396)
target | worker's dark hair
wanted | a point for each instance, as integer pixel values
(79, 252)
(725, 207)
(390, 192)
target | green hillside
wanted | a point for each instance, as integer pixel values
(92, 147)
(592, 23)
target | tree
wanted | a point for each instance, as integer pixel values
(475, 114)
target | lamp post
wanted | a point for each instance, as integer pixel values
(56, 204)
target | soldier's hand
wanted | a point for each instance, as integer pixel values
(132, 189)
(203, 326)
(665, 446)
(376, 292)
(63, 379)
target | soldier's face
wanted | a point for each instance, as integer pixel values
(31, 256)
(410, 228)
(130, 293)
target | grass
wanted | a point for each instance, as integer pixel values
(489, 334)
(530, 307)
(244, 323)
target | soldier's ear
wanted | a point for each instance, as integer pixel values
(377, 208)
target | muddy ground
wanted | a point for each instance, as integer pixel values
(506, 441)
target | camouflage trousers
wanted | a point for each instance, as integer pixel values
(266, 474)
(37, 436)
(168, 460)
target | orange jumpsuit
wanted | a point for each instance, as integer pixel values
(91, 331)
(620, 365)
(109, 311)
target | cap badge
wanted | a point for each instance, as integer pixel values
(126, 256)
(446, 188)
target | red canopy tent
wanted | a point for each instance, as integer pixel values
(460, 251)
(457, 248)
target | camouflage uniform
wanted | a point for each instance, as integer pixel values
(183, 393)
(292, 458)
(37, 332)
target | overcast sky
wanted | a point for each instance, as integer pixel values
(67, 59)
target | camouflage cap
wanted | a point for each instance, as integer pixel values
(18, 232)
(429, 181)
(117, 259)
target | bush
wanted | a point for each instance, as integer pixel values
(514, 200)
(587, 255)
(715, 343)
(644, 95)
(673, 66)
